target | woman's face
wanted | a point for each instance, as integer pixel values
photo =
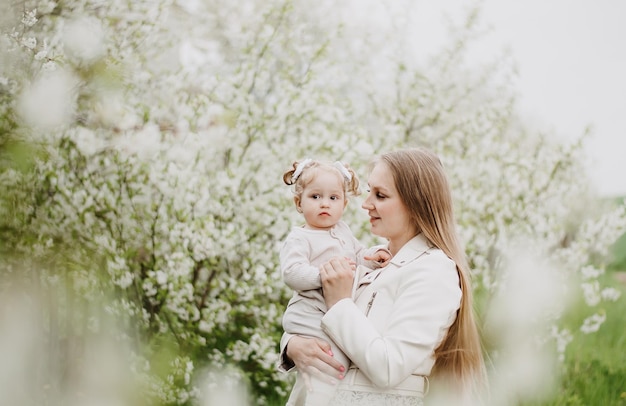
(389, 217)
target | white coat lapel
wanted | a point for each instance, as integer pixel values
(363, 277)
(413, 249)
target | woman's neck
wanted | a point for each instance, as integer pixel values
(396, 244)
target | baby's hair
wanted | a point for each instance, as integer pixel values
(304, 175)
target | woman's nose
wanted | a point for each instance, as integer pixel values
(366, 204)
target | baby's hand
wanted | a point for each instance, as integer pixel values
(351, 262)
(381, 256)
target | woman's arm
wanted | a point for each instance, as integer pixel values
(397, 334)
(311, 357)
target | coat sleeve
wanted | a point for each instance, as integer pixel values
(406, 322)
(284, 363)
(297, 271)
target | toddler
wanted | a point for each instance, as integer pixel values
(321, 194)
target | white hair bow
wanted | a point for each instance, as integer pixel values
(344, 171)
(299, 169)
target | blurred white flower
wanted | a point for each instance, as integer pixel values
(29, 18)
(49, 66)
(190, 56)
(531, 295)
(161, 278)
(87, 141)
(224, 386)
(610, 294)
(46, 6)
(593, 323)
(20, 346)
(84, 39)
(50, 101)
(591, 292)
(29, 42)
(125, 280)
(111, 111)
(591, 272)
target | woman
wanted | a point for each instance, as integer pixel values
(408, 321)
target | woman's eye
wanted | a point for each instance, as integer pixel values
(377, 194)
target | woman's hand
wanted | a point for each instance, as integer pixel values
(313, 357)
(337, 276)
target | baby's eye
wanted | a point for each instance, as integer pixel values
(334, 198)
(315, 196)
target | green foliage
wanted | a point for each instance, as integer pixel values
(594, 371)
(618, 262)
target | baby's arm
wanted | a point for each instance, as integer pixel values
(380, 257)
(374, 257)
(297, 271)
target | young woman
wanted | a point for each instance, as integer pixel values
(409, 321)
(321, 193)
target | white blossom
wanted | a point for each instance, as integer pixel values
(29, 18)
(591, 272)
(30, 42)
(610, 294)
(591, 293)
(49, 66)
(50, 101)
(593, 323)
(83, 39)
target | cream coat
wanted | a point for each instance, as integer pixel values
(398, 317)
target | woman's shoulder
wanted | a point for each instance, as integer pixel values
(419, 247)
(419, 253)
(439, 262)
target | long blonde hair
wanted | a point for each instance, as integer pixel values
(423, 187)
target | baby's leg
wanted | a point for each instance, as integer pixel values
(303, 318)
(322, 391)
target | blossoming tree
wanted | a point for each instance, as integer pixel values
(159, 132)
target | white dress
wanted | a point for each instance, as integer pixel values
(354, 398)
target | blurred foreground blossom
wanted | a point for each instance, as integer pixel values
(84, 39)
(50, 101)
(48, 359)
(593, 323)
(222, 386)
(531, 294)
